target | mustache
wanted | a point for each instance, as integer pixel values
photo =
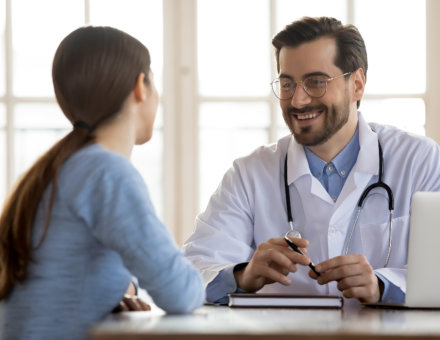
(294, 110)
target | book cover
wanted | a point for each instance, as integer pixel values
(284, 300)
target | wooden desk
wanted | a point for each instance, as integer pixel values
(220, 322)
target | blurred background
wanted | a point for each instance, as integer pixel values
(212, 62)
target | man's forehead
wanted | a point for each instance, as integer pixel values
(314, 56)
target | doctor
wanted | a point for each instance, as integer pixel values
(333, 155)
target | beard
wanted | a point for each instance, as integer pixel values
(334, 119)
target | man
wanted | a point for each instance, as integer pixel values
(332, 156)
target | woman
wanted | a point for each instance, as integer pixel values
(80, 222)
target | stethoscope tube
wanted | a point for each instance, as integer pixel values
(378, 184)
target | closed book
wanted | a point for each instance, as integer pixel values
(284, 300)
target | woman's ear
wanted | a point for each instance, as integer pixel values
(359, 84)
(140, 88)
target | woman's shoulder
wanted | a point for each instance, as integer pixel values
(96, 159)
(94, 166)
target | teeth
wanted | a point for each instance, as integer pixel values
(307, 116)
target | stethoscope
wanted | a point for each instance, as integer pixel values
(379, 184)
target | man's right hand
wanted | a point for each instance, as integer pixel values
(272, 262)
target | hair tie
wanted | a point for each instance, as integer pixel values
(82, 124)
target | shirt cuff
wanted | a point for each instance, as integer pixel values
(391, 292)
(223, 284)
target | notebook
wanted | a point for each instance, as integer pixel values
(423, 274)
(284, 300)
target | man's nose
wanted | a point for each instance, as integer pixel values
(300, 97)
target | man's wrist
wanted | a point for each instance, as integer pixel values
(381, 285)
(238, 272)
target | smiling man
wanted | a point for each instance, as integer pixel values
(311, 182)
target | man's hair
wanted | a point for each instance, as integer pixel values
(351, 52)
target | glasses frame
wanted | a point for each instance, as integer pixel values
(277, 80)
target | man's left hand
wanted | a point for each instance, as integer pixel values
(354, 275)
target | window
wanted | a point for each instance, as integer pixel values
(236, 111)
(396, 81)
(234, 73)
(34, 120)
(213, 62)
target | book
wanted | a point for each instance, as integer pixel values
(284, 300)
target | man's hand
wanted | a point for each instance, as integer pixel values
(131, 302)
(271, 262)
(354, 275)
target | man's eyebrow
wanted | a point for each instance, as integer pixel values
(310, 74)
(283, 75)
(316, 73)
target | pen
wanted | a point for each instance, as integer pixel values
(295, 248)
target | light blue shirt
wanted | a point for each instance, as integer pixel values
(103, 230)
(332, 176)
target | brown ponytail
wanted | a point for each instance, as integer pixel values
(21, 206)
(94, 70)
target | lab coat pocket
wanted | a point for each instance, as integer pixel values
(375, 242)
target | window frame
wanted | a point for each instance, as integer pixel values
(181, 102)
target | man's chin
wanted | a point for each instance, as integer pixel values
(309, 139)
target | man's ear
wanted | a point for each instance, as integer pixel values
(139, 88)
(359, 84)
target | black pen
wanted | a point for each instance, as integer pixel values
(295, 248)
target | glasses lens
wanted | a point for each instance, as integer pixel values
(315, 86)
(283, 88)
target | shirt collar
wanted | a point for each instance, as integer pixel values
(343, 162)
(367, 161)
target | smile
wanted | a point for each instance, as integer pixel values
(307, 116)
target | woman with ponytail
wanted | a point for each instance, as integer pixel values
(79, 224)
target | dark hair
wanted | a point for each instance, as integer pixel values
(94, 70)
(351, 50)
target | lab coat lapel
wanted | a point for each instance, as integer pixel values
(298, 171)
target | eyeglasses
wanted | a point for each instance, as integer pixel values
(315, 86)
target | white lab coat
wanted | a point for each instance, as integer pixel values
(249, 207)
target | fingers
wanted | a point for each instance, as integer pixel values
(300, 242)
(133, 303)
(272, 274)
(297, 244)
(354, 276)
(145, 306)
(277, 251)
(348, 282)
(343, 266)
(367, 293)
(272, 262)
(268, 265)
(122, 307)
